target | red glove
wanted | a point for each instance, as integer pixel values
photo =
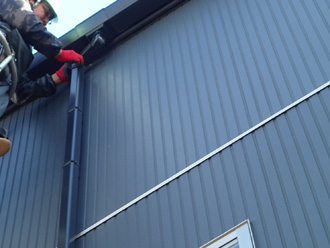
(64, 73)
(70, 56)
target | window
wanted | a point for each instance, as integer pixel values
(238, 237)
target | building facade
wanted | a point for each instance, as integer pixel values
(215, 114)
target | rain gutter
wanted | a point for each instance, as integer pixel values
(71, 165)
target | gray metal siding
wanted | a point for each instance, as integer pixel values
(31, 173)
(278, 177)
(183, 87)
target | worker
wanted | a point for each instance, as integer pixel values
(29, 18)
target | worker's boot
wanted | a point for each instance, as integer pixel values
(4, 142)
(4, 146)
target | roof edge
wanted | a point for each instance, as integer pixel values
(117, 22)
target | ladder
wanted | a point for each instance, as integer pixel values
(8, 60)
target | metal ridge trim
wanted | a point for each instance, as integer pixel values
(198, 162)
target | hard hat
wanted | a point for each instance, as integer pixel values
(54, 6)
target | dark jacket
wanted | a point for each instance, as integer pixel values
(19, 14)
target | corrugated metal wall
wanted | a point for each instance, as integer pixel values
(278, 177)
(31, 173)
(183, 87)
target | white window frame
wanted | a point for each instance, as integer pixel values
(242, 232)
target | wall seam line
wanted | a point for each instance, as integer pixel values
(200, 161)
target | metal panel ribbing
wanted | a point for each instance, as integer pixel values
(30, 175)
(276, 175)
(208, 156)
(188, 84)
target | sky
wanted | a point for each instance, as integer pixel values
(72, 12)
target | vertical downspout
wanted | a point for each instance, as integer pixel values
(71, 165)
